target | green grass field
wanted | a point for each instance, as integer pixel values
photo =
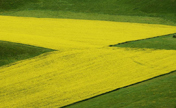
(11, 52)
(163, 42)
(141, 11)
(158, 92)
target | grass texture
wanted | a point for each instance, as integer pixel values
(11, 52)
(105, 7)
(163, 42)
(153, 11)
(84, 65)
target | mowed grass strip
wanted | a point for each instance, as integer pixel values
(11, 52)
(158, 92)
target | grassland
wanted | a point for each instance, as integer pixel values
(11, 52)
(166, 42)
(115, 10)
(83, 53)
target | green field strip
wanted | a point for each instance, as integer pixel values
(114, 10)
(156, 92)
(11, 52)
(166, 42)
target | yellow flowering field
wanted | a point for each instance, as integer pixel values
(83, 65)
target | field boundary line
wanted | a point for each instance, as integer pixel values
(118, 89)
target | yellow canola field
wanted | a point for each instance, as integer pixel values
(84, 65)
(68, 33)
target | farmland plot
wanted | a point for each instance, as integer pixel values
(83, 65)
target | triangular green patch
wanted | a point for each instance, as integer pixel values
(11, 52)
(167, 42)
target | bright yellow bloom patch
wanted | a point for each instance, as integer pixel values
(84, 65)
